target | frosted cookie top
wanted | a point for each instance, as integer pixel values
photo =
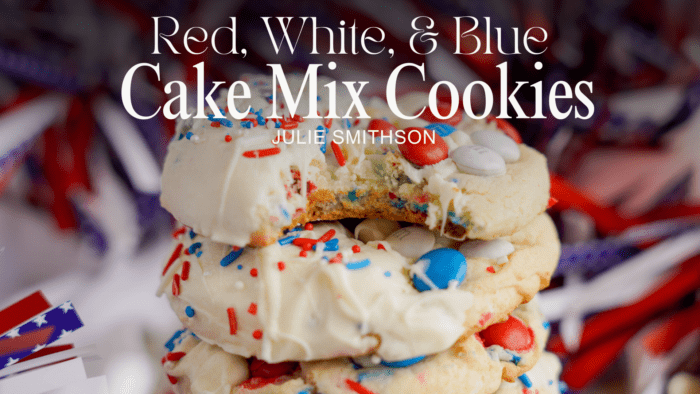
(318, 293)
(243, 182)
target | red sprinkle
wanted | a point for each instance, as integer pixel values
(356, 248)
(228, 138)
(254, 272)
(308, 226)
(163, 360)
(358, 388)
(310, 187)
(511, 334)
(257, 334)
(253, 154)
(280, 266)
(232, 322)
(304, 243)
(215, 124)
(381, 246)
(173, 380)
(337, 259)
(185, 270)
(302, 253)
(176, 356)
(289, 124)
(423, 152)
(327, 236)
(328, 122)
(173, 257)
(491, 269)
(176, 285)
(338, 153)
(179, 232)
(253, 308)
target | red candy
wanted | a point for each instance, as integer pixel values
(379, 127)
(511, 334)
(443, 108)
(506, 128)
(423, 152)
(261, 369)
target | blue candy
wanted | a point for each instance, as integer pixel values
(189, 311)
(402, 363)
(442, 266)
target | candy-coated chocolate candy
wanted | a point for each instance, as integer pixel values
(478, 160)
(442, 129)
(506, 127)
(441, 267)
(511, 334)
(423, 151)
(261, 369)
(499, 143)
(411, 242)
(379, 127)
(402, 363)
(495, 249)
(375, 229)
(443, 109)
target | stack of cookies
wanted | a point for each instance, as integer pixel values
(330, 255)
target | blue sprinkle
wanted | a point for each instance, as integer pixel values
(563, 387)
(305, 391)
(199, 254)
(261, 120)
(421, 208)
(288, 240)
(442, 129)
(189, 311)
(189, 135)
(180, 137)
(192, 234)
(193, 248)
(356, 265)
(352, 196)
(170, 345)
(454, 180)
(318, 98)
(330, 246)
(347, 123)
(551, 382)
(240, 266)
(371, 374)
(278, 124)
(526, 380)
(231, 257)
(546, 325)
(285, 213)
(402, 363)
(223, 121)
(354, 363)
(515, 360)
(387, 274)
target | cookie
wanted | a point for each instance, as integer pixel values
(318, 293)
(467, 367)
(241, 183)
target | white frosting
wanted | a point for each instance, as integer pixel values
(312, 309)
(210, 185)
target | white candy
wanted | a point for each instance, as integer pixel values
(495, 249)
(412, 242)
(498, 142)
(375, 229)
(478, 160)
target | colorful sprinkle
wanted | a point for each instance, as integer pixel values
(442, 129)
(254, 272)
(303, 253)
(194, 247)
(387, 274)
(280, 266)
(177, 233)
(172, 379)
(231, 257)
(288, 240)
(228, 138)
(257, 334)
(308, 226)
(402, 363)
(170, 345)
(173, 257)
(357, 387)
(176, 285)
(337, 259)
(381, 246)
(491, 269)
(338, 153)
(185, 270)
(356, 248)
(175, 356)
(525, 380)
(327, 236)
(253, 308)
(356, 265)
(189, 311)
(232, 322)
(253, 154)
